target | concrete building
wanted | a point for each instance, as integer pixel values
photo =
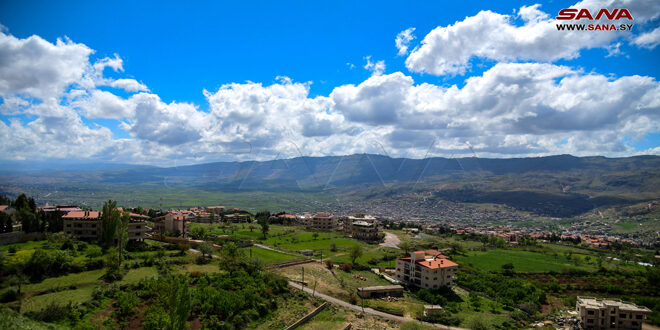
(431, 310)
(610, 314)
(172, 223)
(238, 218)
(363, 227)
(86, 225)
(215, 209)
(323, 221)
(380, 291)
(428, 269)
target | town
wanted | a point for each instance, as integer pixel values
(69, 265)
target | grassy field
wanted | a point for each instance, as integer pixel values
(523, 261)
(37, 302)
(268, 256)
(92, 276)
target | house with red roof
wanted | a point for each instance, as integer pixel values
(427, 269)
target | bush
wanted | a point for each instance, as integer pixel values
(345, 267)
(329, 264)
(155, 318)
(126, 302)
(10, 295)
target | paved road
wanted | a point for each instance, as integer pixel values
(391, 240)
(367, 310)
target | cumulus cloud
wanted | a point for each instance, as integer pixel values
(520, 109)
(649, 39)
(36, 67)
(377, 67)
(449, 50)
(403, 40)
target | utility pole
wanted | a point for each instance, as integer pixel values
(303, 276)
(314, 291)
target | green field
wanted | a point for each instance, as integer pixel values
(268, 256)
(523, 261)
(76, 296)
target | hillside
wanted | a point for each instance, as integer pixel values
(560, 186)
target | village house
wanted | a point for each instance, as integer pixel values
(363, 227)
(610, 314)
(323, 221)
(428, 269)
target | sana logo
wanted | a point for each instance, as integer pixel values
(578, 14)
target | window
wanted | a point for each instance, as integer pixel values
(638, 316)
(590, 320)
(622, 316)
(590, 312)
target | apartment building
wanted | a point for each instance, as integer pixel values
(83, 225)
(597, 314)
(363, 227)
(323, 221)
(173, 223)
(428, 269)
(86, 225)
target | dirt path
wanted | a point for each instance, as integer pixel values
(391, 240)
(367, 310)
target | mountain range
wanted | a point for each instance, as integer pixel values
(575, 184)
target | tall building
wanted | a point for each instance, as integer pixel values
(610, 314)
(86, 225)
(428, 269)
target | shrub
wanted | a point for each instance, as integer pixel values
(329, 264)
(10, 295)
(154, 318)
(345, 267)
(126, 302)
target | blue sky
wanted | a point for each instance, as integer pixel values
(178, 50)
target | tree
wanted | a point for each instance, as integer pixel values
(355, 252)
(230, 257)
(315, 235)
(333, 246)
(507, 268)
(122, 234)
(263, 222)
(212, 217)
(110, 218)
(5, 223)
(27, 219)
(206, 249)
(180, 303)
(406, 247)
(197, 232)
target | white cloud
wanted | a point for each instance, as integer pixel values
(521, 109)
(448, 50)
(403, 40)
(649, 39)
(36, 67)
(377, 68)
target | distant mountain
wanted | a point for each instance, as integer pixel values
(22, 167)
(560, 185)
